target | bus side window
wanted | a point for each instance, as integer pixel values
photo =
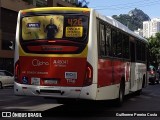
(114, 41)
(108, 41)
(102, 40)
(125, 41)
(138, 51)
(119, 44)
(143, 52)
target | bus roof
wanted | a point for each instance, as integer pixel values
(55, 8)
(119, 25)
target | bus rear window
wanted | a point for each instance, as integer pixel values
(54, 27)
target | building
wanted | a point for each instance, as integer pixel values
(139, 32)
(39, 3)
(71, 1)
(8, 20)
(150, 28)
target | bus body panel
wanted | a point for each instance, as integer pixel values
(48, 91)
(105, 72)
(110, 74)
(91, 91)
(112, 70)
(88, 92)
(108, 92)
(127, 88)
(92, 56)
(137, 76)
(16, 53)
(52, 71)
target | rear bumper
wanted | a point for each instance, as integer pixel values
(152, 79)
(88, 92)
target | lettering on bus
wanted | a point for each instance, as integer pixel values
(75, 22)
(74, 31)
(60, 63)
(37, 62)
(51, 48)
(71, 77)
(71, 80)
(33, 25)
(37, 72)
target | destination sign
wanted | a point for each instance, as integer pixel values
(74, 31)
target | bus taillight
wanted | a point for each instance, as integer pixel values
(17, 72)
(89, 75)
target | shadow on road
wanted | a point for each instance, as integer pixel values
(86, 109)
(79, 109)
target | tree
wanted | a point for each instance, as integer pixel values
(83, 3)
(154, 49)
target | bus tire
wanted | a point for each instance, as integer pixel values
(1, 87)
(139, 92)
(157, 81)
(120, 99)
(143, 84)
(153, 82)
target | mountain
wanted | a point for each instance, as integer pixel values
(134, 19)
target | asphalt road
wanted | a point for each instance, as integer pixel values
(147, 102)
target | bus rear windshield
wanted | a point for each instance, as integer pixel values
(55, 27)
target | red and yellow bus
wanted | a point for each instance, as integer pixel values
(77, 53)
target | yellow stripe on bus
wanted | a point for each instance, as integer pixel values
(56, 9)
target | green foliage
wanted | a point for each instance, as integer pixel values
(82, 3)
(154, 49)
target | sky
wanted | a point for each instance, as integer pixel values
(117, 7)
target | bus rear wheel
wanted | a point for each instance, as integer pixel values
(1, 87)
(139, 92)
(120, 99)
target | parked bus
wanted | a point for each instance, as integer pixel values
(77, 53)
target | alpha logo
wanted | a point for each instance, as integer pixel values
(33, 25)
(36, 62)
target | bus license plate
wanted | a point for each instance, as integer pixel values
(50, 81)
